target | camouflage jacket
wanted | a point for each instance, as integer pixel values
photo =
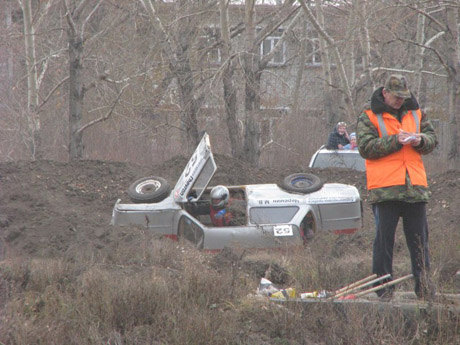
(371, 146)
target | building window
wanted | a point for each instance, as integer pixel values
(269, 44)
(313, 51)
(209, 44)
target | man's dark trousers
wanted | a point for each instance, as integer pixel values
(415, 227)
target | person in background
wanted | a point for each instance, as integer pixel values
(353, 144)
(338, 138)
(393, 134)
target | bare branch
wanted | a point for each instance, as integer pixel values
(69, 18)
(405, 71)
(336, 53)
(266, 58)
(440, 57)
(107, 115)
(48, 96)
(79, 9)
(272, 142)
(88, 17)
(148, 5)
(270, 28)
(433, 19)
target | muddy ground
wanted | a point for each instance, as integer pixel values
(50, 208)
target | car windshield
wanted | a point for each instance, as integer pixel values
(339, 159)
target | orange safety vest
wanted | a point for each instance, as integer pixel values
(391, 169)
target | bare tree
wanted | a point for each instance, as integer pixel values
(253, 66)
(79, 14)
(229, 84)
(451, 16)
(34, 74)
(300, 73)
(438, 34)
(329, 106)
(179, 38)
(338, 60)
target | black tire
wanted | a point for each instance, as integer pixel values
(303, 183)
(149, 190)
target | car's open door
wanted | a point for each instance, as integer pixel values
(197, 174)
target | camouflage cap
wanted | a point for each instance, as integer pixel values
(397, 85)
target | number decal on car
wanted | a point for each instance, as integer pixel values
(282, 230)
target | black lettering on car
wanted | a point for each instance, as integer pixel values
(182, 191)
(286, 201)
(190, 166)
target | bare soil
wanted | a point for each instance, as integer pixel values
(51, 208)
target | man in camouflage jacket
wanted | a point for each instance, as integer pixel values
(405, 199)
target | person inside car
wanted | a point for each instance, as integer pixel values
(338, 138)
(218, 211)
(223, 210)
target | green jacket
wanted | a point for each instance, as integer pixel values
(371, 146)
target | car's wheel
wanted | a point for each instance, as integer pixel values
(302, 183)
(149, 189)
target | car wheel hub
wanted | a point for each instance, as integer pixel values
(148, 186)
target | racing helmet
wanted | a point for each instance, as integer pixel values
(219, 196)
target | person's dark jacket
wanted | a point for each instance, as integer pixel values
(335, 139)
(371, 146)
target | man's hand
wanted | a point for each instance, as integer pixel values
(408, 138)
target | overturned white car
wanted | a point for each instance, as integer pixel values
(272, 215)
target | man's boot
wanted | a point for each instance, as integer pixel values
(424, 288)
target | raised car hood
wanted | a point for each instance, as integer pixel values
(197, 174)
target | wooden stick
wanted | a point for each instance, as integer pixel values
(393, 282)
(359, 282)
(347, 292)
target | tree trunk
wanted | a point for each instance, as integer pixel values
(420, 54)
(252, 107)
(328, 99)
(251, 152)
(76, 95)
(189, 104)
(453, 82)
(32, 82)
(344, 84)
(300, 72)
(230, 95)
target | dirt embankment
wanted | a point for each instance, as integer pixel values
(49, 208)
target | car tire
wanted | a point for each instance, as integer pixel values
(303, 183)
(149, 190)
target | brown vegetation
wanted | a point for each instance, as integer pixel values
(68, 277)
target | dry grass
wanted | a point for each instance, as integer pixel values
(150, 291)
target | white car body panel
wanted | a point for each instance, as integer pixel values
(348, 159)
(197, 173)
(273, 216)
